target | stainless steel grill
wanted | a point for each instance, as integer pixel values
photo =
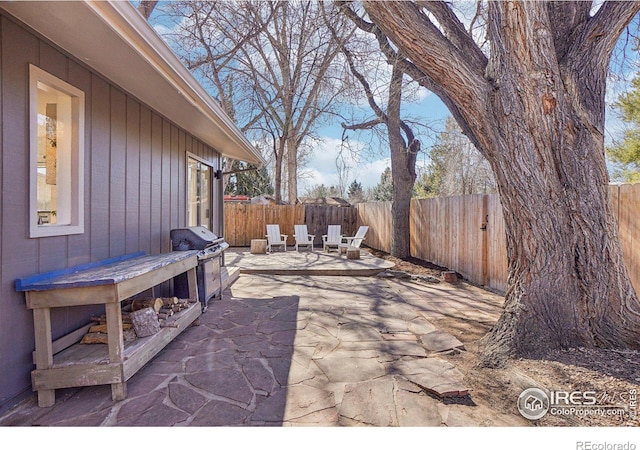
(210, 249)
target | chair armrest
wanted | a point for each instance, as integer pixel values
(311, 235)
(284, 235)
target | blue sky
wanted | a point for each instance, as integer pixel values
(375, 158)
(369, 164)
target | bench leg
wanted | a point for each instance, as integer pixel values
(116, 346)
(44, 351)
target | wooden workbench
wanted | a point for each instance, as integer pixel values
(106, 282)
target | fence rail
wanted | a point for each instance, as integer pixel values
(467, 234)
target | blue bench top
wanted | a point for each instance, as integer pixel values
(108, 271)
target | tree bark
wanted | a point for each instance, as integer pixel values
(402, 169)
(400, 212)
(279, 153)
(292, 171)
(536, 112)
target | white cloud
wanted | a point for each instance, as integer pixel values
(369, 174)
(322, 168)
(422, 94)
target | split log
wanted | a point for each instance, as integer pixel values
(95, 338)
(145, 322)
(168, 301)
(102, 328)
(154, 303)
(129, 334)
(103, 338)
(126, 318)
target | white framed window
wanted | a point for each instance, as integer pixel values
(199, 192)
(56, 178)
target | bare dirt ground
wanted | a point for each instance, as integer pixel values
(614, 376)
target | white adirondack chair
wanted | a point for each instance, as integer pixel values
(355, 241)
(333, 238)
(303, 238)
(274, 238)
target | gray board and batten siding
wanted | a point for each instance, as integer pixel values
(135, 183)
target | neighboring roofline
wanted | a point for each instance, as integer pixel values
(168, 86)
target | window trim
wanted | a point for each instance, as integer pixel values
(212, 166)
(76, 226)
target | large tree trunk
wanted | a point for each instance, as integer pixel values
(536, 111)
(568, 285)
(403, 168)
(278, 172)
(292, 171)
(404, 177)
(400, 213)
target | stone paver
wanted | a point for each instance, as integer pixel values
(440, 341)
(297, 351)
(434, 376)
(370, 402)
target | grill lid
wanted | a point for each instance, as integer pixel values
(193, 238)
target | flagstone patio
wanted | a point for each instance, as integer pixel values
(282, 350)
(305, 262)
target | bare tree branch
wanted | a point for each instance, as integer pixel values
(455, 32)
(363, 125)
(422, 77)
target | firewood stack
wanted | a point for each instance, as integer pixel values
(145, 324)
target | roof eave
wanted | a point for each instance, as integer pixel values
(114, 39)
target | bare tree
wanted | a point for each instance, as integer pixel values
(401, 137)
(271, 65)
(252, 54)
(459, 167)
(208, 35)
(533, 103)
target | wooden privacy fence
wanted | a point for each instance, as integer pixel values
(466, 233)
(243, 222)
